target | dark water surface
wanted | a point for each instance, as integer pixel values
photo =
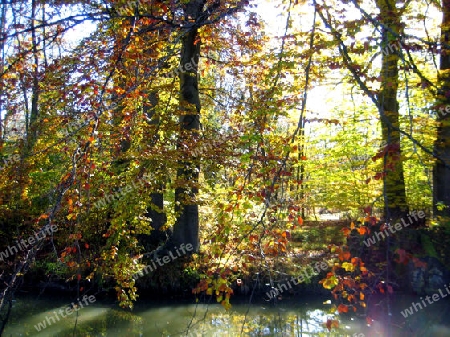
(294, 317)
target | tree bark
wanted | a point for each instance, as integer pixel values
(186, 227)
(441, 171)
(156, 210)
(34, 115)
(394, 180)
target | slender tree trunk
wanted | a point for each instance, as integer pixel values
(186, 228)
(31, 138)
(2, 65)
(394, 180)
(441, 171)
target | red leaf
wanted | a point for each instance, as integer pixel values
(342, 308)
(418, 263)
(368, 210)
(403, 256)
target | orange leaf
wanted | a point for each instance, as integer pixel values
(363, 230)
(253, 238)
(344, 256)
(342, 308)
(363, 286)
(331, 323)
(300, 220)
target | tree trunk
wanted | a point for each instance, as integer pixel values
(156, 210)
(31, 138)
(394, 180)
(441, 171)
(2, 65)
(186, 228)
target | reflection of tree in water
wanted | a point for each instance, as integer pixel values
(119, 322)
(304, 323)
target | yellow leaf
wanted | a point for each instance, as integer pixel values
(348, 266)
(226, 304)
(330, 283)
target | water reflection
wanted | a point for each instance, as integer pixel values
(160, 319)
(169, 320)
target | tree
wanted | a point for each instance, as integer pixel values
(186, 228)
(441, 170)
(394, 181)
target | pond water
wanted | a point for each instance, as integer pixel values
(294, 317)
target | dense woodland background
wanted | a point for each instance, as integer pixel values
(135, 127)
